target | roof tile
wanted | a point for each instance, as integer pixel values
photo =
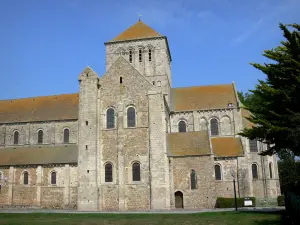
(227, 146)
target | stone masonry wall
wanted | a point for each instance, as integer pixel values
(53, 132)
(39, 191)
(203, 196)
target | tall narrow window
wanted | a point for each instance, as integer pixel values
(218, 172)
(66, 135)
(182, 126)
(25, 177)
(40, 137)
(270, 170)
(108, 173)
(0, 175)
(130, 56)
(193, 179)
(253, 145)
(254, 172)
(150, 55)
(130, 117)
(136, 172)
(53, 177)
(16, 137)
(214, 127)
(140, 55)
(110, 118)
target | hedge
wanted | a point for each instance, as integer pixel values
(230, 202)
(280, 200)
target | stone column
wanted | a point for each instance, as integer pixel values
(67, 186)
(10, 185)
(39, 176)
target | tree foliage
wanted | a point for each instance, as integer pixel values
(274, 104)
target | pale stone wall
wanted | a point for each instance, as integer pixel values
(203, 196)
(28, 132)
(200, 120)
(39, 191)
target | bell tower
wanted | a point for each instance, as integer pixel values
(146, 50)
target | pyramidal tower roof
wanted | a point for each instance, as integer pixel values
(137, 31)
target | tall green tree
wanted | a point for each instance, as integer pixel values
(276, 107)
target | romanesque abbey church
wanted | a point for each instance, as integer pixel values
(128, 140)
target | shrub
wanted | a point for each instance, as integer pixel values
(230, 203)
(280, 200)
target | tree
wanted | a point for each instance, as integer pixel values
(274, 104)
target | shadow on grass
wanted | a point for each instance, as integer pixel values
(283, 218)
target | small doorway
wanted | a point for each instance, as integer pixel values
(178, 200)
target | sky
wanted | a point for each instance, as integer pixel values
(45, 45)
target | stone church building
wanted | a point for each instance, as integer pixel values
(128, 140)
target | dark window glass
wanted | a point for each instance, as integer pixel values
(16, 137)
(40, 137)
(193, 179)
(150, 55)
(214, 127)
(108, 173)
(110, 118)
(53, 178)
(253, 145)
(218, 172)
(254, 172)
(140, 55)
(66, 135)
(182, 126)
(130, 56)
(270, 169)
(25, 181)
(136, 172)
(130, 117)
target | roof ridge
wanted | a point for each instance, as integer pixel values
(12, 99)
(210, 85)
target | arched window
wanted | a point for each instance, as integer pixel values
(110, 118)
(130, 117)
(193, 179)
(182, 126)
(130, 56)
(150, 55)
(25, 177)
(214, 127)
(108, 172)
(140, 55)
(218, 172)
(253, 145)
(270, 170)
(53, 177)
(16, 137)
(254, 172)
(66, 135)
(40, 137)
(136, 172)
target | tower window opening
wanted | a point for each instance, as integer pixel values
(150, 56)
(130, 56)
(121, 80)
(140, 55)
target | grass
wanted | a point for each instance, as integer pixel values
(213, 218)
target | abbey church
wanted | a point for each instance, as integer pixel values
(128, 140)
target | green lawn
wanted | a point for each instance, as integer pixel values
(214, 218)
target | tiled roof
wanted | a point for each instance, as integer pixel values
(227, 146)
(246, 122)
(38, 155)
(188, 143)
(137, 31)
(44, 108)
(203, 97)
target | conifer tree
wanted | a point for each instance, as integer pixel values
(275, 104)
